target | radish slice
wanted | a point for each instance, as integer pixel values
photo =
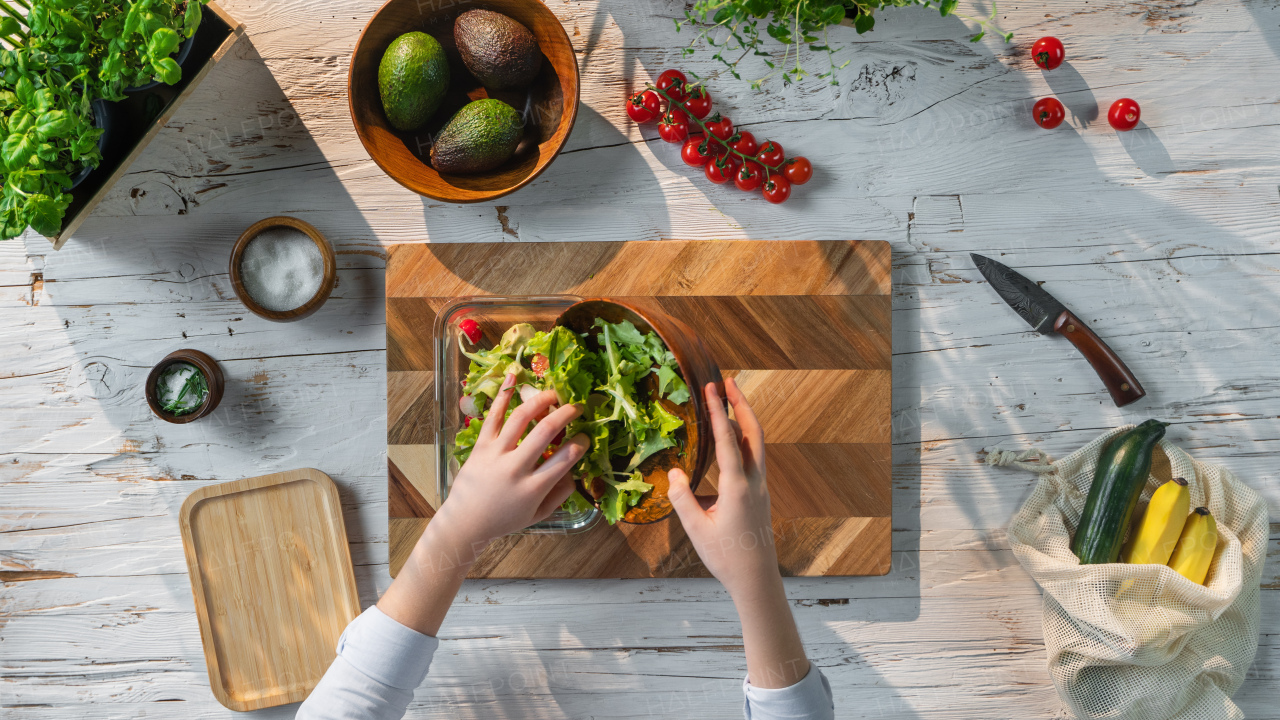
(468, 405)
(528, 393)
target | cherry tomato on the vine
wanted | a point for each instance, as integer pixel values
(695, 152)
(770, 155)
(674, 126)
(1048, 113)
(797, 170)
(744, 142)
(749, 176)
(673, 82)
(721, 127)
(722, 169)
(644, 106)
(1124, 114)
(698, 104)
(1048, 52)
(777, 189)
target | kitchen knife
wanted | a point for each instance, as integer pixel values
(1044, 313)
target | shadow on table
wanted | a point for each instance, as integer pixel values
(238, 151)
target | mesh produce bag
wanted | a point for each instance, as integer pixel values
(1141, 641)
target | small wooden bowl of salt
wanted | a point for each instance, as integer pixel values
(283, 269)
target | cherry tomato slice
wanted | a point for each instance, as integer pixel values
(770, 155)
(674, 126)
(1048, 113)
(744, 142)
(673, 82)
(644, 106)
(797, 170)
(697, 151)
(471, 329)
(749, 176)
(698, 104)
(722, 169)
(540, 365)
(1124, 114)
(1048, 52)
(777, 189)
(721, 127)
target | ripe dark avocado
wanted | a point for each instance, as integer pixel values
(412, 79)
(482, 136)
(499, 51)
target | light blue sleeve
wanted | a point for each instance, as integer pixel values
(380, 662)
(809, 699)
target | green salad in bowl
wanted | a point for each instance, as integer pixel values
(625, 419)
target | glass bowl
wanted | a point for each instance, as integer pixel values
(494, 315)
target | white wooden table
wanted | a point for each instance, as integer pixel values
(1165, 239)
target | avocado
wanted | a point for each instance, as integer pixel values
(412, 79)
(499, 51)
(482, 136)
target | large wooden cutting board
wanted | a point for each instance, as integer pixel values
(803, 326)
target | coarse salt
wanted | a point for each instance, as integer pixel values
(281, 268)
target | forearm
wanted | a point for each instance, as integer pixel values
(424, 589)
(775, 655)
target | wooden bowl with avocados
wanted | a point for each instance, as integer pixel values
(545, 101)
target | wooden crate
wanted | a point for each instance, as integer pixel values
(141, 116)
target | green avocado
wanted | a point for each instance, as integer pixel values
(499, 51)
(412, 79)
(482, 136)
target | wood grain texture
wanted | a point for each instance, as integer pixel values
(816, 369)
(1163, 239)
(273, 584)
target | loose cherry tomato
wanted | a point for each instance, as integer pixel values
(744, 142)
(797, 170)
(698, 104)
(644, 106)
(1124, 114)
(770, 155)
(1048, 113)
(749, 177)
(722, 169)
(674, 126)
(1048, 52)
(673, 82)
(721, 127)
(777, 189)
(697, 151)
(471, 329)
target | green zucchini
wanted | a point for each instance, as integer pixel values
(1118, 480)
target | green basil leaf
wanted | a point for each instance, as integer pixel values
(863, 23)
(26, 91)
(167, 70)
(946, 7)
(132, 20)
(47, 152)
(45, 99)
(53, 123)
(21, 121)
(43, 214)
(191, 20)
(17, 149)
(163, 43)
(9, 26)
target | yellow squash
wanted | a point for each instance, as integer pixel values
(1161, 526)
(1195, 548)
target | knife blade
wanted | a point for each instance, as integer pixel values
(1046, 314)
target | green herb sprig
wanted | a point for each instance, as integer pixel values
(733, 26)
(196, 384)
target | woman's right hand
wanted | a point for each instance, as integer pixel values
(733, 534)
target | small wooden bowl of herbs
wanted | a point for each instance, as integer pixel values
(185, 386)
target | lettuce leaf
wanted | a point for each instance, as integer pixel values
(622, 495)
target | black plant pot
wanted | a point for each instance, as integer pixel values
(103, 114)
(181, 56)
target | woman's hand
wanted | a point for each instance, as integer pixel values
(501, 489)
(734, 535)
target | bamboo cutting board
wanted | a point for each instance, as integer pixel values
(804, 326)
(273, 583)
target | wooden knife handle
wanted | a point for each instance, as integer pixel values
(1121, 383)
